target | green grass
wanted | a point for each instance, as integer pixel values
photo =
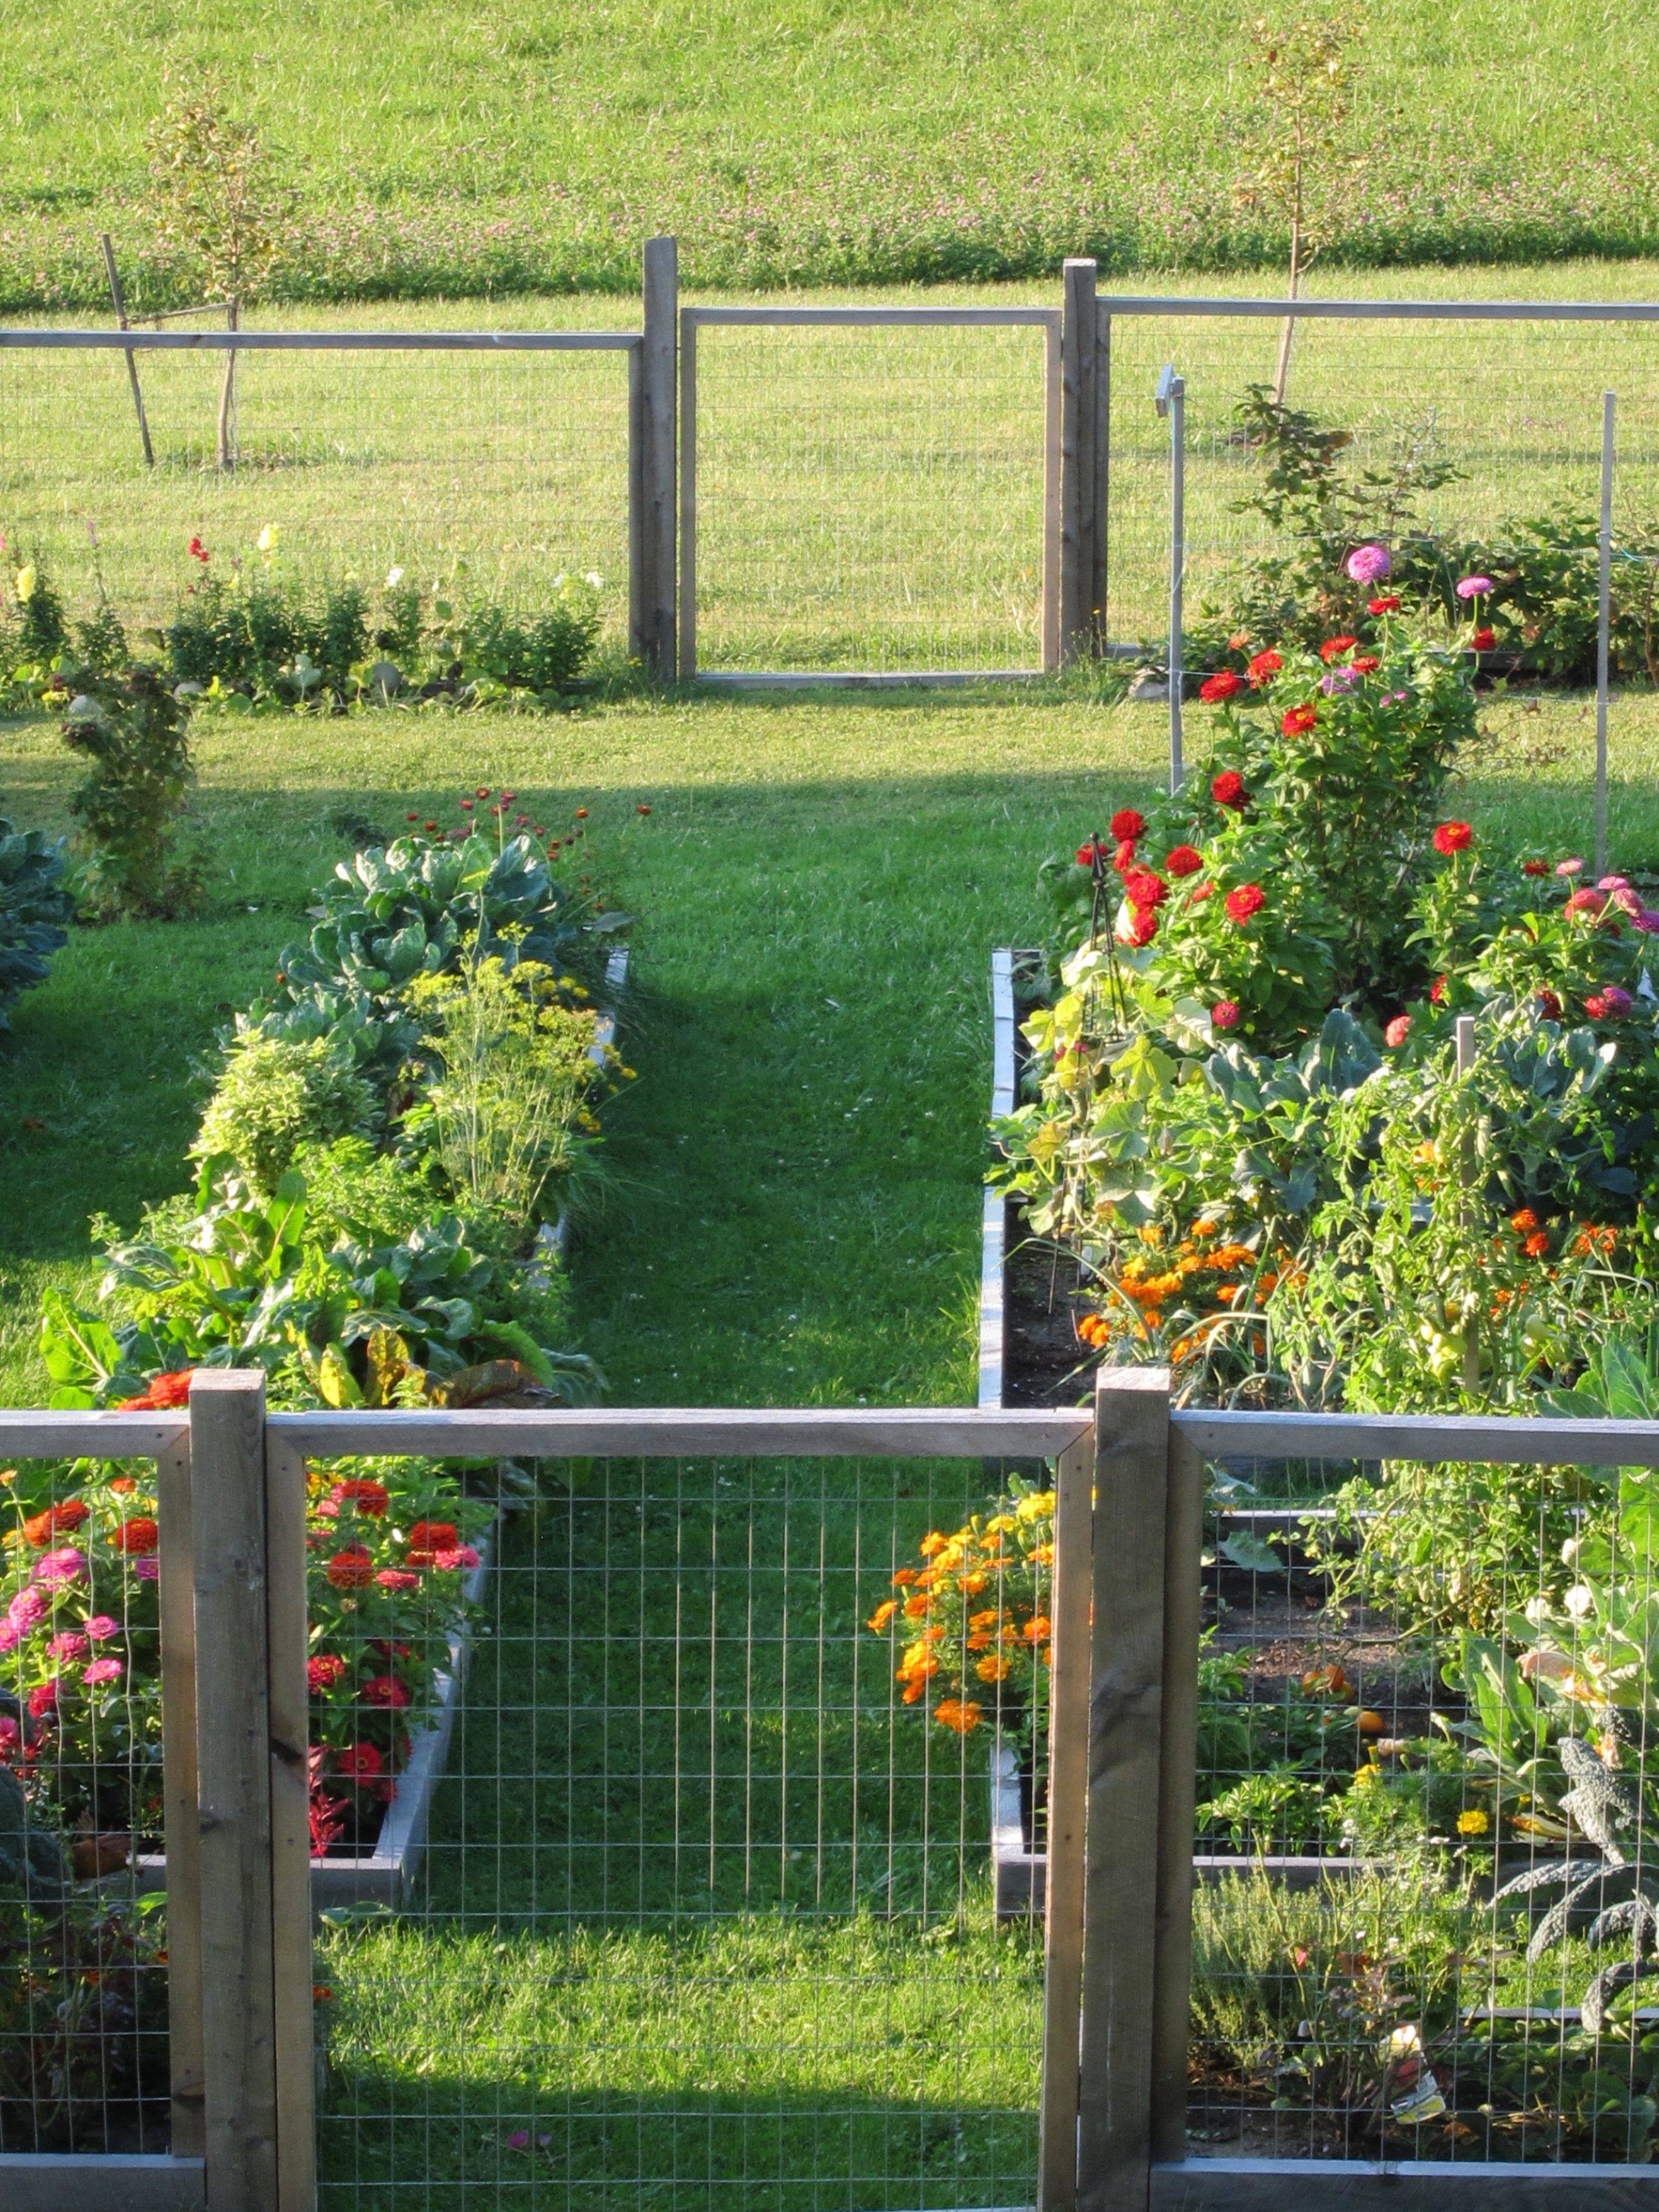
(617, 1946)
(866, 498)
(500, 148)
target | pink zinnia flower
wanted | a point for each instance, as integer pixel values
(101, 1627)
(72, 1645)
(58, 1568)
(1223, 1015)
(10, 1735)
(463, 1556)
(1473, 587)
(148, 1570)
(397, 1579)
(1397, 1031)
(1568, 867)
(28, 1610)
(1369, 564)
(102, 1670)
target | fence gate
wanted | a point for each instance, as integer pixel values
(702, 1909)
(869, 495)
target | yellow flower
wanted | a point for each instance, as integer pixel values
(1036, 1506)
(1366, 1776)
(25, 580)
(266, 541)
(1473, 1823)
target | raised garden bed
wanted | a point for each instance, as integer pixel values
(384, 1874)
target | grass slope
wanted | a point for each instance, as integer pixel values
(499, 147)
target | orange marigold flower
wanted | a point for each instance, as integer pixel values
(1203, 1231)
(1523, 1221)
(1228, 1292)
(932, 1543)
(994, 1669)
(1536, 1245)
(1038, 1629)
(1232, 1255)
(883, 1613)
(916, 1605)
(904, 1577)
(959, 1713)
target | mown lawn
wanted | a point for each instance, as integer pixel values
(441, 151)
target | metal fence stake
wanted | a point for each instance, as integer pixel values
(1604, 625)
(1172, 400)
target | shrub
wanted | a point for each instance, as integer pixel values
(277, 1094)
(34, 906)
(135, 735)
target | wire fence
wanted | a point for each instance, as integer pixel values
(1513, 406)
(471, 471)
(872, 489)
(705, 1911)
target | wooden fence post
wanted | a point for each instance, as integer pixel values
(1132, 1454)
(233, 1739)
(287, 1626)
(1068, 1797)
(1098, 581)
(1077, 521)
(655, 639)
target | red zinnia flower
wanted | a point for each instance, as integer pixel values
(1549, 1005)
(1142, 887)
(1222, 686)
(362, 1763)
(1125, 856)
(1365, 664)
(1299, 720)
(434, 1536)
(1334, 648)
(1086, 854)
(1484, 640)
(1437, 991)
(1228, 789)
(1452, 837)
(137, 1537)
(1223, 1015)
(1395, 1034)
(161, 1394)
(1183, 861)
(322, 1672)
(1264, 665)
(352, 1568)
(1388, 604)
(197, 550)
(1142, 927)
(1248, 899)
(369, 1497)
(1534, 867)
(1127, 822)
(384, 1690)
(43, 1700)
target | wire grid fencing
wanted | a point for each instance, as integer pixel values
(705, 1914)
(1513, 405)
(1424, 1914)
(869, 491)
(92, 2053)
(473, 468)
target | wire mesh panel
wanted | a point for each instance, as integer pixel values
(1508, 414)
(98, 2028)
(872, 495)
(706, 1911)
(470, 472)
(1425, 1913)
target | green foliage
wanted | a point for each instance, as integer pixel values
(42, 628)
(275, 1095)
(135, 734)
(235, 1282)
(35, 907)
(504, 1108)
